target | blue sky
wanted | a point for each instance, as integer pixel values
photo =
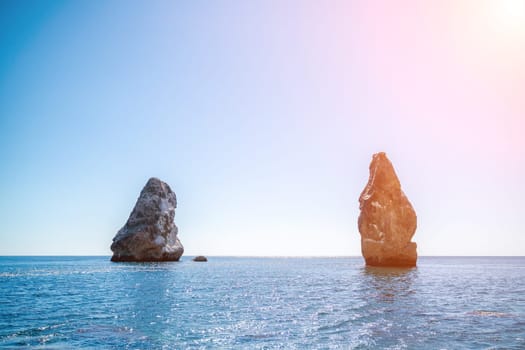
(262, 117)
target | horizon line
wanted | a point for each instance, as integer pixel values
(268, 256)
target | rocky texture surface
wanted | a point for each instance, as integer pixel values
(150, 233)
(387, 221)
(200, 258)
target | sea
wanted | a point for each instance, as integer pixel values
(261, 303)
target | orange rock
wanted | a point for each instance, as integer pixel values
(387, 221)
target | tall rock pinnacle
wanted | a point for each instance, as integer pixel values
(387, 221)
(150, 233)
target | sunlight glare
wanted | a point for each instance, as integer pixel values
(509, 16)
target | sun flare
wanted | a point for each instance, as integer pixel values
(508, 16)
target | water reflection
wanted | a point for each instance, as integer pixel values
(148, 310)
(388, 283)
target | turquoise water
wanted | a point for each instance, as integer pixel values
(261, 303)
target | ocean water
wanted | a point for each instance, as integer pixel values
(261, 303)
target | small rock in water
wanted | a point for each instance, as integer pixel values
(387, 220)
(150, 233)
(200, 258)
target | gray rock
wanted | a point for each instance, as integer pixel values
(200, 258)
(150, 233)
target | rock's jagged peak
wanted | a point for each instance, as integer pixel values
(155, 198)
(157, 187)
(383, 177)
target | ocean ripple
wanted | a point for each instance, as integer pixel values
(261, 303)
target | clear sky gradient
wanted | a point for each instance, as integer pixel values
(263, 117)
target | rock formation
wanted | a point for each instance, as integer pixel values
(387, 221)
(150, 233)
(200, 258)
